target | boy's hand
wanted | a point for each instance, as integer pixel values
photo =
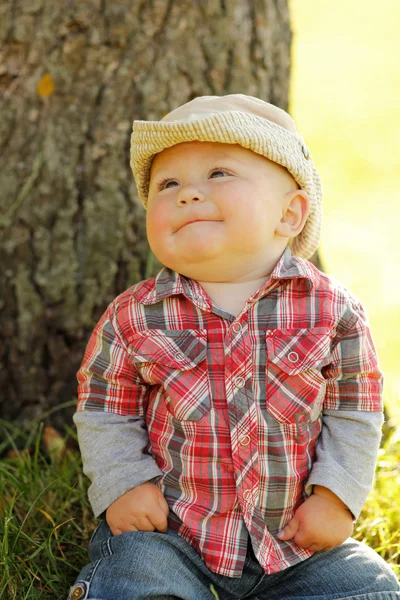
(142, 508)
(322, 522)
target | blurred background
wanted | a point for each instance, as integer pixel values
(344, 96)
(73, 75)
(72, 229)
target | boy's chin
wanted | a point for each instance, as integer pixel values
(199, 272)
(211, 270)
(194, 258)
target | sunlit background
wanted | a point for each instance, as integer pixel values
(345, 98)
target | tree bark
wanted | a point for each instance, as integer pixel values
(72, 229)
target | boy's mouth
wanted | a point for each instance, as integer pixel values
(196, 221)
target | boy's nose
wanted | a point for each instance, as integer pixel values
(188, 194)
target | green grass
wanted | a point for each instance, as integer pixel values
(45, 519)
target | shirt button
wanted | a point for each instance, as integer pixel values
(236, 327)
(293, 357)
(246, 494)
(244, 440)
(239, 382)
(179, 356)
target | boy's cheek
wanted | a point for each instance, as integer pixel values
(157, 220)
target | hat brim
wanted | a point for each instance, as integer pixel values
(264, 137)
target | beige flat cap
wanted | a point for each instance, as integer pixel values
(234, 119)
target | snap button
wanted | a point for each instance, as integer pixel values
(236, 327)
(306, 152)
(78, 592)
(246, 494)
(293, 357)
(179, 356)
(239, 382)
(244, 440)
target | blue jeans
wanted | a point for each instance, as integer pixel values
(163, 566)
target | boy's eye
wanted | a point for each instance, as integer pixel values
(218, 173)
(166, 183)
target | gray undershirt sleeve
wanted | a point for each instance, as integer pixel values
(113, 454)
(112, 448)
(346, 455)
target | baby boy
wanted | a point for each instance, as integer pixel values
(230, 408)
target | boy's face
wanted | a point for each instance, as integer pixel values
(214, 211)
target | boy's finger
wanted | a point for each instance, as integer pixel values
(164, 506)
(144, 523)
(129, 528)
(316, 548)
(309, 540)
(161, 526)
(123, 529)
(289, 531)
(159, 521)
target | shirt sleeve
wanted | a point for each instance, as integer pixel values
(107, 378)
(347, 448)
(353, 378)
(113, 449)
(346, 455)
(112, 403)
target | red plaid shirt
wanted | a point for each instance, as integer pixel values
(233, 405)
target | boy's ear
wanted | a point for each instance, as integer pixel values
(294, 214)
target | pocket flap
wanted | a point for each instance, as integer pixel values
(298, 350)
(180, 349)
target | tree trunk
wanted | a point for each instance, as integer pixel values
(72, 229)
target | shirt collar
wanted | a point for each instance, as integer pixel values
(287, 268)
(170, 283)
(294, 267)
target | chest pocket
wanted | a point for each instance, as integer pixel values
(177, 362)
(295, 383)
